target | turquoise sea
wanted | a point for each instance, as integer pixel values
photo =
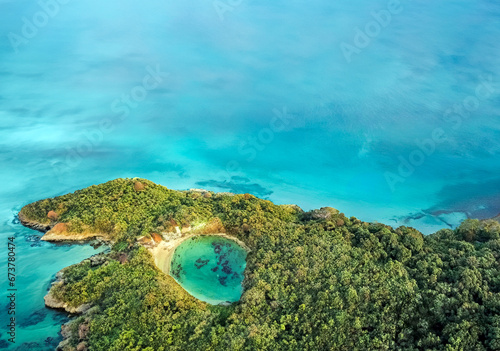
(386, 110)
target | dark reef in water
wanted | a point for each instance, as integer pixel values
(33, 319)
(201, 263)
(222, 280)
(177, 271)
(221, 258)
(217, 248)
(34, 239)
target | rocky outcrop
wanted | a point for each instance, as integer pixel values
(83, 331)
(52, 216)
(82, 346)
(63, 235)
(214, 225)
(81, 337)
(138, 186)
(295, 208)
(58, 232)
(146, 242)
(66, 335)
(200, 193)
(60, 228)
(41, 227)
(156, 237)
(123, 258)
(53, 302)
(321, 214)
(97, 260)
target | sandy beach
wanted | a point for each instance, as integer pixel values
(164, 251)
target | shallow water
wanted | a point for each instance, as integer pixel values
(210, 268)
(37, 263)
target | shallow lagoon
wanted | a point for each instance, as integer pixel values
(210, 268)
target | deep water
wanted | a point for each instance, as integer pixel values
(287, 100)
(210, 268)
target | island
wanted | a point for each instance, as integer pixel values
(315, 280)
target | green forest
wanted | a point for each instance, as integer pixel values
(314, 280)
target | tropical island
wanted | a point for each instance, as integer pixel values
(316, 280)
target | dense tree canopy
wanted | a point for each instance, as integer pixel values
(314, 281)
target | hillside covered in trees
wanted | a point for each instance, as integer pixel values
(314, 280)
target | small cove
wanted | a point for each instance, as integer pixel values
(210, 268)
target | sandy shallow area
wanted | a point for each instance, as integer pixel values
(164, 251)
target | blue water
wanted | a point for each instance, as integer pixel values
(36, 264)
(210, 268)
(255, 97)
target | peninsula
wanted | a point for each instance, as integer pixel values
(316, 280)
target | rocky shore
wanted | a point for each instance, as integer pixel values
(58, 231)
(33, 224)
(70, 332)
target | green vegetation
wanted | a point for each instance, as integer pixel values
(314, 281)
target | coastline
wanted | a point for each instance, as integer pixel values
(57, 232)
(57, 237)
(311, 250)
(163, 252)
(28, 223)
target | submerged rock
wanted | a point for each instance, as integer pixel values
(48, 340)
(33, 319)
(217, 248)
(222, 280)
(201, 263)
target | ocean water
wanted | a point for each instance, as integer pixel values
(36, 263)
(210, 268)
(386, 111)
